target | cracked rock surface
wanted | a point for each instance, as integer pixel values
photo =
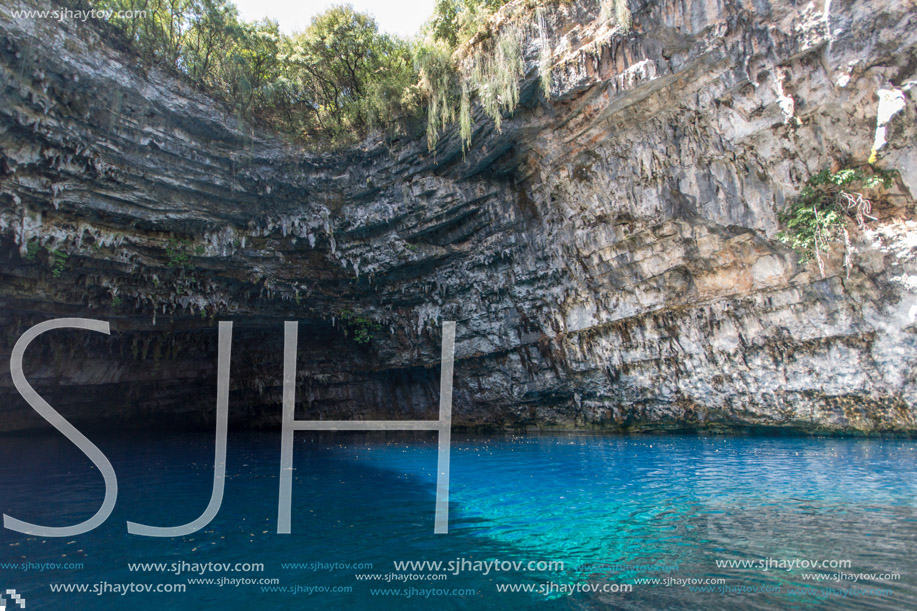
(609, 255)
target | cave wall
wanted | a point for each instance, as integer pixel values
(609, 255)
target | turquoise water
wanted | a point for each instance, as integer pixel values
(615, 511)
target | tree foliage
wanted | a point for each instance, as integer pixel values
(491, 74)
(439, 83)
(348, 77)
(456, 21)
(342, 78)
(335, 81)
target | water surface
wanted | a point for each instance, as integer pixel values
(615, 511)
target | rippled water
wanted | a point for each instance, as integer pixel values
(606, 507)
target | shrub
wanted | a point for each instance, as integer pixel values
(57, 259)
(177, 253)
(818, 217)
(361, 328)
(31, 249)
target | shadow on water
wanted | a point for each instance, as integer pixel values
(345, 510)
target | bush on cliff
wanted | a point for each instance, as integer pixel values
(818, 217)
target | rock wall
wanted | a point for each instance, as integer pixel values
(609, 255)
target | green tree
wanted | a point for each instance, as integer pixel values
(350, 76)
(215, 28)
(251, 66)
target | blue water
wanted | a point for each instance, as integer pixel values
(614, 510)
